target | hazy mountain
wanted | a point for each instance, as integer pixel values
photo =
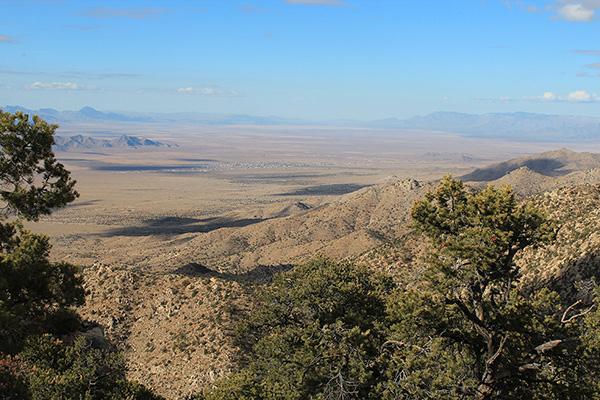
(517, 126)
(86, 142)
(89, 114)
(86, 114)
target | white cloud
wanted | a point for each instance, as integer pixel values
(576, 13)
(191, 90)
(567, 10)
(208, 92)
(58, 86)
(581, 96)
(548, 96)
(578, 96)
(593, 66)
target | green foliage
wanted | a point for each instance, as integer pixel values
(469, 332)
(32, 183)
(31, 285)
(79, 371)
(316, 335)
(35, 294)
(475, 237)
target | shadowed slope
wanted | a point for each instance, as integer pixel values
(552, 163)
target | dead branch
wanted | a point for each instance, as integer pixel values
(542, 348)
(497, 353)
(581, 314)
(400, 344)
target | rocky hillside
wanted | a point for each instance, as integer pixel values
(173, 302)
(87, 142)
(177, 326)
(236, 242)
(555, 163)
(538, 173)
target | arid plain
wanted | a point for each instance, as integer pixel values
(246, 173)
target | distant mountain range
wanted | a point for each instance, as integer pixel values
(88, 114)
(518, 126)
(86, 142)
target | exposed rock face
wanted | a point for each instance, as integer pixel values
(87, 142)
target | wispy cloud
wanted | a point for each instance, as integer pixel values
(11, 72)
(332, 3)
(593, 66)
(82, 28)
(590, 52)
(249, 9)
(59, 86)
(528, 7)
(208, 91)
(578, 96)
(7, 39)
(76, 74)
(136, 13)
(51, 2)
(566, 10)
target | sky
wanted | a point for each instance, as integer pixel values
(315, 59)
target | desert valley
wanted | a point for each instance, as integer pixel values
(178, 226)
(299, 200)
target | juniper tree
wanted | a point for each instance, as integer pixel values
(32, 184)
(470, 331)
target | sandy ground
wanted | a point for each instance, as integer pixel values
(216, 170)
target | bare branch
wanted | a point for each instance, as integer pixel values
(493, 358)
(581, 314)
(542, 348)
(400, 344)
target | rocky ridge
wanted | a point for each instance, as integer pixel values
(87, 142)
(176, 322)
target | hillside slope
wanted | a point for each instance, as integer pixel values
(177, 326)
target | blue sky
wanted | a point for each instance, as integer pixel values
(320, 59)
